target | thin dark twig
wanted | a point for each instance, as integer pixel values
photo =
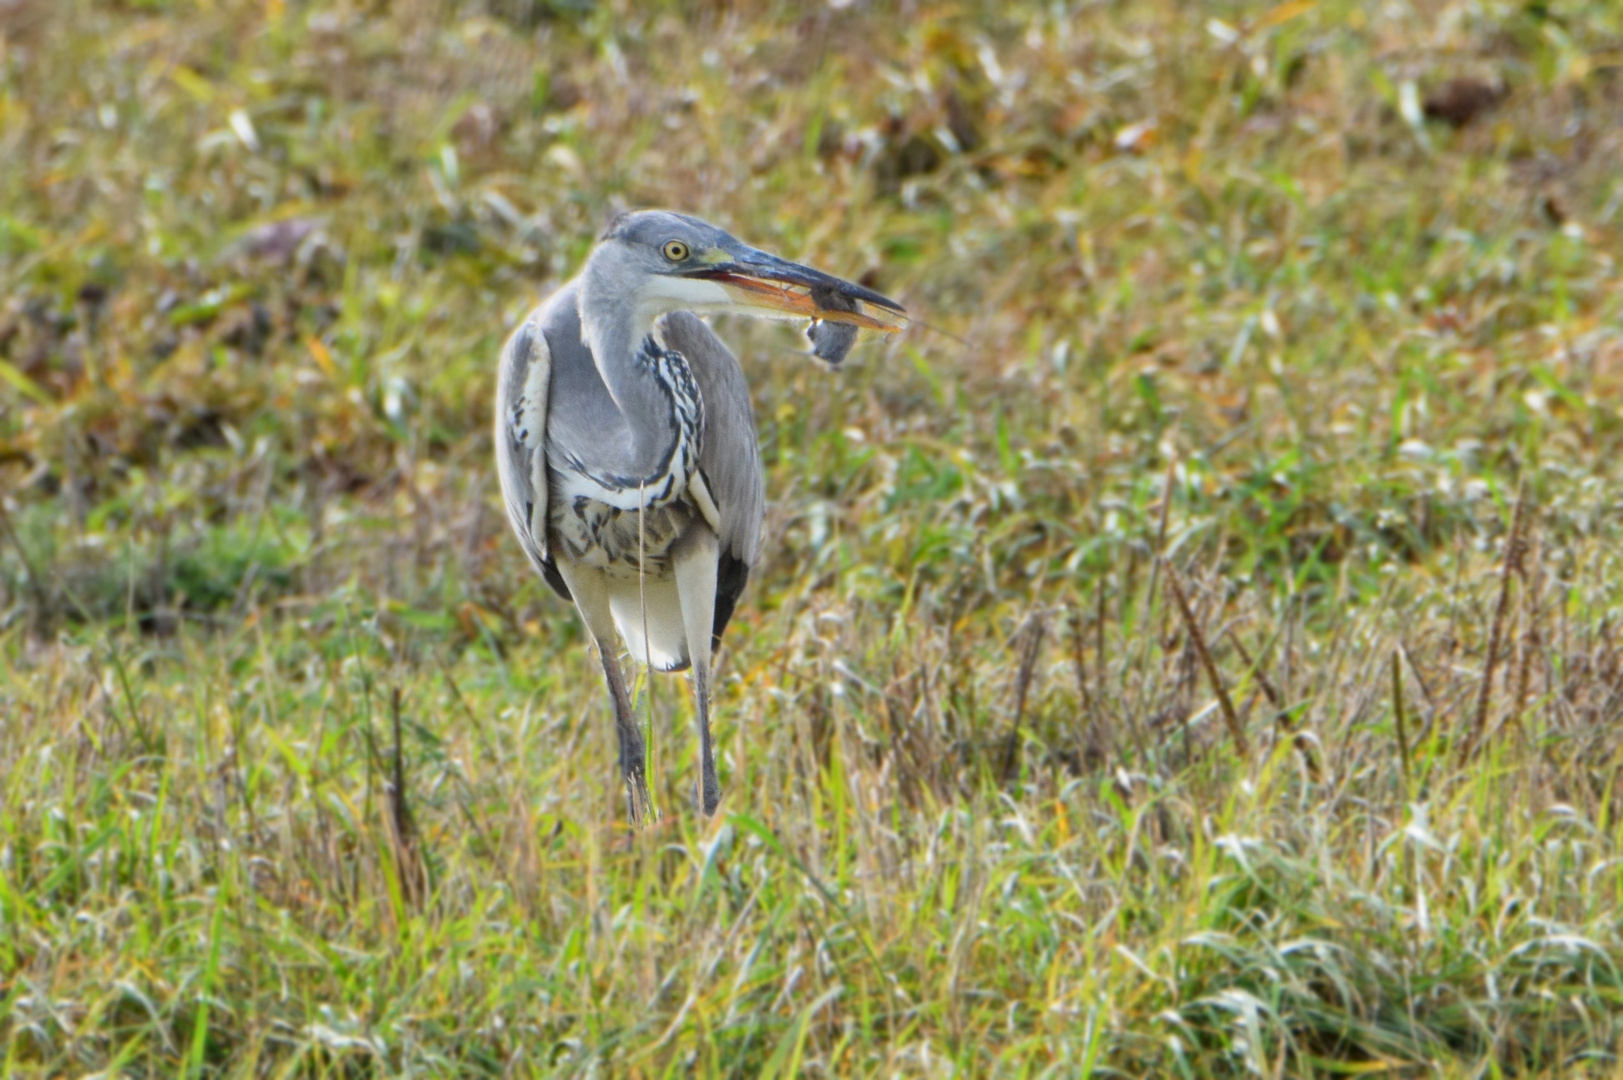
(1095, 722)
(402, 832)
(1198, 639)
(1530, 636)
(1033, 633)
(1507, 570)
(1283, 721)
(1257, 673)
(1400, 721)
(1099, 627)
(1145, 637)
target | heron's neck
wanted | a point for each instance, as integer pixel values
(615, 330)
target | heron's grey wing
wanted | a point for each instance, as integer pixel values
(523, 384)
(729, 453)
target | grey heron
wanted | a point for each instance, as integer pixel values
(627, 449)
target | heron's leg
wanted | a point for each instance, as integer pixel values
(592, 601)
(695, 562)
(633, 754)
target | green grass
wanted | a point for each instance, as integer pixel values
(983, 816)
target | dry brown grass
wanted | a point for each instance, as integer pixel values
(1145, 674)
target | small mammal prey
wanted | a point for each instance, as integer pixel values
(627, 450)
(831, 341)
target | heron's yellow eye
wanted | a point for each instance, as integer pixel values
(675, 250)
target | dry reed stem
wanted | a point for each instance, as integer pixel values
(1230, 717)
(1401, 723)
(1282, 718)
(1146, 690)
(1033, 632)
(409, 868)
(1263, 681)
(1531, 600)
(1096, 727)
(1510, 568)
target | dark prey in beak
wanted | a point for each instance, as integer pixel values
(831, 341)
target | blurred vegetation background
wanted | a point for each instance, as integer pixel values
(1190, 649)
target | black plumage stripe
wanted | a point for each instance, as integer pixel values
(732, 574)
(549, 573)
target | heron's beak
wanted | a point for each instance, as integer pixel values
(777, 286)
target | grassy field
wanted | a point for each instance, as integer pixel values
(1192, 650)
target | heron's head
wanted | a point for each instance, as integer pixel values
(662, 261)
